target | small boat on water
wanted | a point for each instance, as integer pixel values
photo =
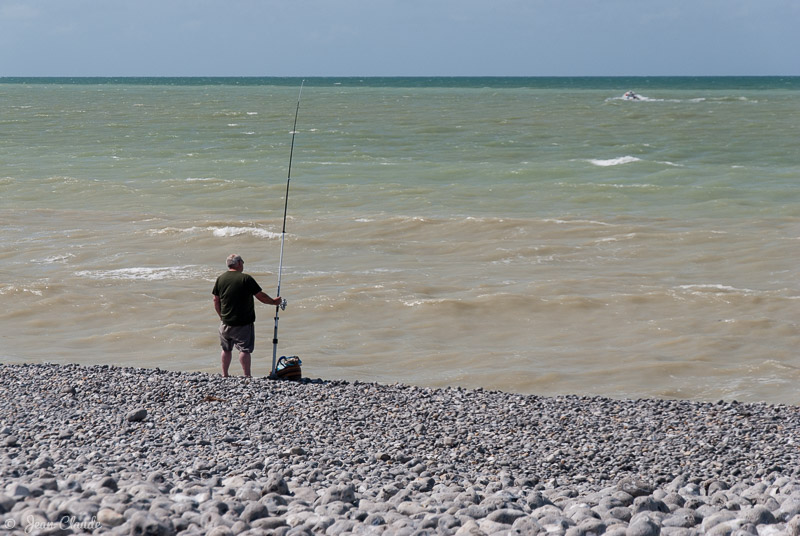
(630, 95)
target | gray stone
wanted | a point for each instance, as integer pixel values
(793, 526)
(648, 504)
(108, 483)
(789, 508)
(527, 525)
(78, 508)
(146, 525)
(15, 489)
(683, 517)
(345, 493)
(591, 526)
(678, 531)
(374, 520)
(276, 484)
(220, 530)
(269, 523)
(136, 415)
(248, 493)
(621, 513)
(635, 487)
(109, 517)
(474, 511)
(721, 517)
(758, 515)
(643, 525)
(470, 528)
(492, 527)
(6, 503)
(341, 526)
(253, 511)
(505, 516)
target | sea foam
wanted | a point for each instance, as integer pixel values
(615, 161)
(219, 231)
(143, 273)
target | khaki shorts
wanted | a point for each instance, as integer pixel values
(241, 337)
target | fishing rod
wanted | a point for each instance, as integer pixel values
(282, 305)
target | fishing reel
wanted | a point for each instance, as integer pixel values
(283, 304)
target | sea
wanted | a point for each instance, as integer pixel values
(544, 236)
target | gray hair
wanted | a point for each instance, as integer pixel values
(233, 260)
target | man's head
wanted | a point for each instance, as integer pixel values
(234, 261)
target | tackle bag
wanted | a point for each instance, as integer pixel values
(288, 368)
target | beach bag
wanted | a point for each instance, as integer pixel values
(288, 368)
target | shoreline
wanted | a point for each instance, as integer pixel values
(191, 452)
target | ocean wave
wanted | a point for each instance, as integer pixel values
(715, 288)
(143, 273)
(238, 231)
(693, 100)
(54, 259)
(642, 186)
(426, 301)
(622, 160)
(614, 161)
(581, 222)
(13, 289)
(717, 292)
(219, 231)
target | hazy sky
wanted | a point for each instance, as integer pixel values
(398, 37)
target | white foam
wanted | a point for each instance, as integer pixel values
(143, 273)
(422, 301)
(715, 288)
(55, 258)
(615, 161)
(222, 232)
(238, 231)
(562, 222)
(627, 236)
(11, 289)
(643, 185)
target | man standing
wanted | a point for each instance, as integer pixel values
(233, 300)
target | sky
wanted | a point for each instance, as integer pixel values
(399, 37)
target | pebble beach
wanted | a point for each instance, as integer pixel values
(113, 450)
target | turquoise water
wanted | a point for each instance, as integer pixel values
(525, 234)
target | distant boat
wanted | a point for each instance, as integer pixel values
(630, 95)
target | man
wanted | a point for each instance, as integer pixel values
(233, 300)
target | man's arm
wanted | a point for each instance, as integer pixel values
(217, 306)
(263, 298)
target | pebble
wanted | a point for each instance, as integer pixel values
(109, 450)
(137, 415)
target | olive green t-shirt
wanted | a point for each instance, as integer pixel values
(236, 291)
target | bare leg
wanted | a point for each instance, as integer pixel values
(226, 362)
(244, 360)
